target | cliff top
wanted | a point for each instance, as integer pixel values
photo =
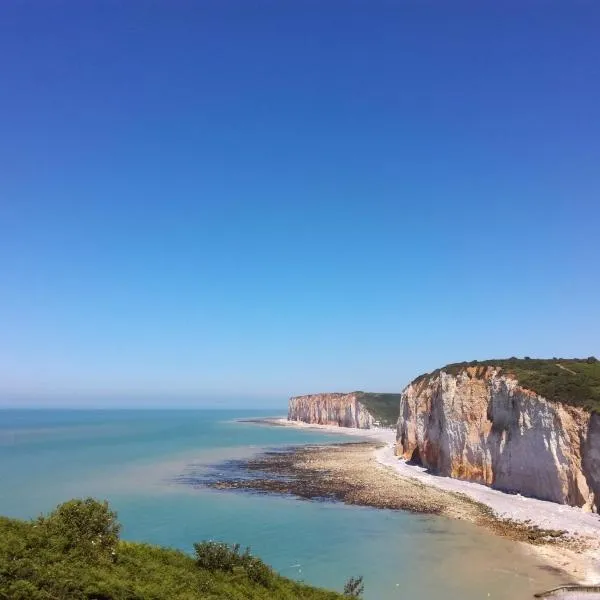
(574, 381)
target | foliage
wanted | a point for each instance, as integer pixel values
(85, 526)
(385, 408)
(354, 587)
(572, 381)
(53, 558)
(217, 556)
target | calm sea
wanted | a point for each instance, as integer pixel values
(132, 458)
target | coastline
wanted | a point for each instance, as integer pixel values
(577, 553)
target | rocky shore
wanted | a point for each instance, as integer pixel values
(350, 473)
(338, 472)
(357, 473)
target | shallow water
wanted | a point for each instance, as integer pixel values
(134, 458)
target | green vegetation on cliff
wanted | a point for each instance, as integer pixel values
(75, 553)
(385, 408)
(574, 381)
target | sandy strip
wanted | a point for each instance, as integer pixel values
(583, 566)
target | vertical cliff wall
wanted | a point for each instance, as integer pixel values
(484, 427)
(344, 410)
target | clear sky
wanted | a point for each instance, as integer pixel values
(237, 201)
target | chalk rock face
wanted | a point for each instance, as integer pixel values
(343, 410)
(487, 428)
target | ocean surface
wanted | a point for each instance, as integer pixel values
(133, 459)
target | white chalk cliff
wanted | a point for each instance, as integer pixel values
(343, 410)
(484, 427)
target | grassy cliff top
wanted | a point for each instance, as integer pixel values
(385, 408)
(75, 553)
(574, 381)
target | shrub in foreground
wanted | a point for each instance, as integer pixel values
(74, 553)
(217, 556)
(86, 527)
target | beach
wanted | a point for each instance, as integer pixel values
(370, 473)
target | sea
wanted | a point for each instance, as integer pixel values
(136, 459)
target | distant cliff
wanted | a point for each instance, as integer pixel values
(355, 409)
(525, 426)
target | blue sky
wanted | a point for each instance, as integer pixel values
(232, 202)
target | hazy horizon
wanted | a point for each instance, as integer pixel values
(169, 400)
(229, 201)
(116, 401)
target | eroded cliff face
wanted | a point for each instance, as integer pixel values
(343, 410)
(485, 427)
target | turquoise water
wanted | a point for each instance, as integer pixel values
(133, 458)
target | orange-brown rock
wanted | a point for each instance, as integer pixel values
(485, 427)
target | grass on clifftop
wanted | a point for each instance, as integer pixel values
(385, 408)
(75, 553)
(574, 381)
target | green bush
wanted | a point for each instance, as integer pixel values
(53, 558)
(217, 556)
(258, 571)
(85, 526)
